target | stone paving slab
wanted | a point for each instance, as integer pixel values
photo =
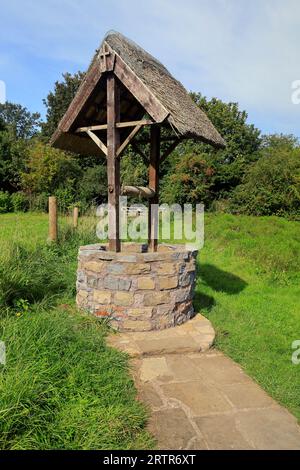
(204, 400)
(196, 335)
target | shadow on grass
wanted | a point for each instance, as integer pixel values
(219, 281)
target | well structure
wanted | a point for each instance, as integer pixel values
(135, 289)
(124, 91)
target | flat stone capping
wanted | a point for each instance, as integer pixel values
(137, 290)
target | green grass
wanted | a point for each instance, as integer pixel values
(62, 387)
(248, 286)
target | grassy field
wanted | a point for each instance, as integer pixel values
(248, 286)
(61, 387)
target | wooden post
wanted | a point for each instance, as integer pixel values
(113, 162)
(153, 222)
(75, 217)
(52, 219)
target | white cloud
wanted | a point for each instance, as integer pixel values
(235, 49)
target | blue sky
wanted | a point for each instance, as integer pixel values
(236, 50)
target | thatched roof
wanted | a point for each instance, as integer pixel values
(146, 87)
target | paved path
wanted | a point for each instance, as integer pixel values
(200, 399)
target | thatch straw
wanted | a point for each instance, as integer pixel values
(185, 118)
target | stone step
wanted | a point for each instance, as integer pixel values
(196, 335)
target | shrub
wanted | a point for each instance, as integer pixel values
(190, 181)
(271, 185)
(20, 202)
(5, 202)
(65, 199)
(48, 169)
(93, 185)
(38, 202)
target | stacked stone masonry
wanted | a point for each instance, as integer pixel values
(137, 291)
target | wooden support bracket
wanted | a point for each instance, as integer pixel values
(170, 149)
(97, 141)
(137, 149)
(128, 139)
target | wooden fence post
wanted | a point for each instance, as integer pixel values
(75, 217)
(52, 219)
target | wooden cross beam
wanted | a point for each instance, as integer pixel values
(100, 127)
(162, 139)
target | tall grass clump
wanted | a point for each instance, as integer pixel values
(41, 273)
(34, 275)
(62, 388)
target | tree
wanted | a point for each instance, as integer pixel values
(275, 141)
(243, 143)
(190, 181)
(272, 184)
(93, 185)
(48, 169)
(12, 157)
(58, 101)
(22, 123)
(2, 124)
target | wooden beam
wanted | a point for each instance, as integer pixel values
(148, 193)
(128, 139)
(142, 122)
(140, 91)
(153, 222)
(113, 163)
(97, 141)
(170, 150)
(126, 75)
(84, 92)
(162, 139)
(99, 127)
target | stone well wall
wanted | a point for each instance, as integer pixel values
(137, 291)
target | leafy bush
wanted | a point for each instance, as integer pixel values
(38, 202)
(20, 202)
(93, 184)
(189, 182)
(48, 169)
(65, 198)
(271, 185)
(5, 202)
